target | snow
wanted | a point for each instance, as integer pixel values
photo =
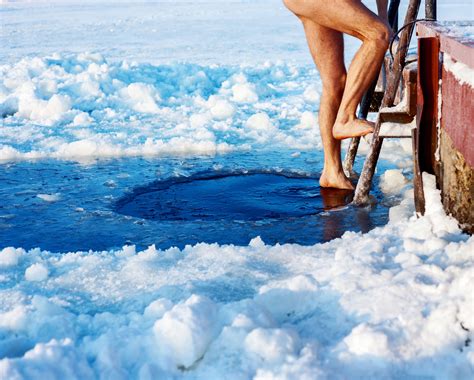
(392, 303)
(260, 121)
(463, 73)
(437, 154)
(10, 256)
(363, 340)
(392, 181)
(36, 272)
(184, 333)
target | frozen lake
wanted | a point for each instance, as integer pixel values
(160, 216)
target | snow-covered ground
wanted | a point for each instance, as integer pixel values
(394, 303)
(84, 81)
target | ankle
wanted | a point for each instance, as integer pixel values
(344, 119)
(333, 169)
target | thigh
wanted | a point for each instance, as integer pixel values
(346, 16)
(327, 49)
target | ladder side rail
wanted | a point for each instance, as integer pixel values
(431, 9)
(368, 171)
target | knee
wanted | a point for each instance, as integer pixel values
(379, 35)
(290, 5)
(297, 8)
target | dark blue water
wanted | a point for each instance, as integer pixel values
(174, 201)
(234, 207)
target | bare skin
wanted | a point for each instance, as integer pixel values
(324, 23)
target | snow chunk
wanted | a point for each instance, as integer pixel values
(47, 112)
(392, 181)
(363, 340)
(10, 256)
(295, 295)
(36, 272)
(257, 242)
(220, 108)
(157, 308)
(311, 94)
(184, 332)
(82, 118)
(141, 97)
(52, 360)
(14, 319)
(244, 93)
(260, 121)
(272, 345)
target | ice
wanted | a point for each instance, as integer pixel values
(71, 107)
(14, 319)
(141, 97)
(260, 122)
(184, 333)
(36, 272)
(52, 360)
(49, 197)
(10, 256)
(220, 108)
(82, 118)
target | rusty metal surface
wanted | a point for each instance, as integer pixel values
(405, 112)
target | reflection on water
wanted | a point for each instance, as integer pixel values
(336, 200)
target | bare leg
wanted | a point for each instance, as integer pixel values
(350, 17)
(327, 49)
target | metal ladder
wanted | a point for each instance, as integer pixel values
(385, 111)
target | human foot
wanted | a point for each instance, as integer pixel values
(336, 181)
(352, 128)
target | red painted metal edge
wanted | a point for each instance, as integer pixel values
(459, 47)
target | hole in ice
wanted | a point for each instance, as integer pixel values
(232, 196)
(235, 207)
